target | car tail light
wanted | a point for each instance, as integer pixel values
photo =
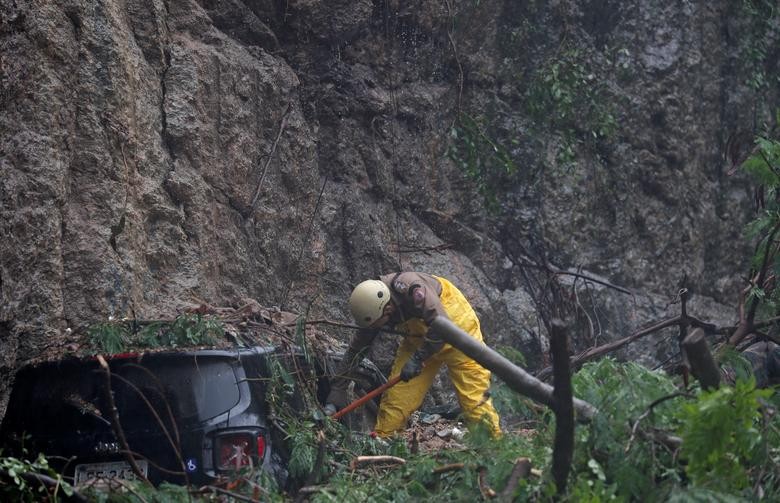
(236, 450)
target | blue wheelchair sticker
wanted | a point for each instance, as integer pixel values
(191, 465)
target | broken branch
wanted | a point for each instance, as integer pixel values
(520, 471)
(702, 363)
(449, 468)
(484, 489)
(592, 353)
(374, 460)
(648, 412)
(746, 320)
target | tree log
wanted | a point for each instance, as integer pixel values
(515, 377)
(563, 448)
(703, 365)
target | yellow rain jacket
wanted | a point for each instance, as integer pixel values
(471, 380)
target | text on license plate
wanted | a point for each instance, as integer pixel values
(112, 470)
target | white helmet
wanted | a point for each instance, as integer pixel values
(368, 301)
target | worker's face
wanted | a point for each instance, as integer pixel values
(386, 314)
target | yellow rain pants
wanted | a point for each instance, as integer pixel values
(469, 378)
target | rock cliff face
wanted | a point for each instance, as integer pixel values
(159, 153)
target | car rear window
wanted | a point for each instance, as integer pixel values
(195, 389)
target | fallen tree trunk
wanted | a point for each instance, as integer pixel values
(515, 377)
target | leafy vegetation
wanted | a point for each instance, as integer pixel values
(17, 484)
(762, 18)
(116, 336)
(728, 449)
(482, 158)
(764, 166)
(565, 96)
(723, 442)
(568, 97)
(614, 459)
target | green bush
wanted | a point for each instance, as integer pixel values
(722, 439)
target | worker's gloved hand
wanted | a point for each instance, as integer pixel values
(412, 368)
(338, 397)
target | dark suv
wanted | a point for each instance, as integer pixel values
(186, 417)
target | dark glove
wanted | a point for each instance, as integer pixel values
(338, 397)
(412, 368)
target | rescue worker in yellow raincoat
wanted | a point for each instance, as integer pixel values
(408, 302)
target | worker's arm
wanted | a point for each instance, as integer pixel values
(357, 348)
(423, 297)
(337, 398)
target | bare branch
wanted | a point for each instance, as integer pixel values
(117, 427)
(451, 39)
(423, 249)
(649, 411)
(593, 353)
(561, 272)
(282, 124)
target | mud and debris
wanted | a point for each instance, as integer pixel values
(432, 432)
(249, 324)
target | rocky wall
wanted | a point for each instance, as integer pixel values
(159, 153)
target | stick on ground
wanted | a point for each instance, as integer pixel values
(375, 460)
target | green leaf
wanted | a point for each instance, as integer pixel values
(757, 167)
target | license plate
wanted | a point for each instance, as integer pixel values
(107, 471)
